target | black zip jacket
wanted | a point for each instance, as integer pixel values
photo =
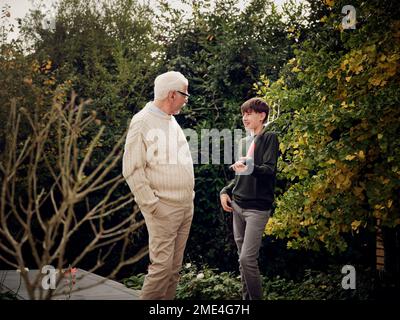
(256, 190)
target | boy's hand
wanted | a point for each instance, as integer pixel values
(239, 166)
(226, 202)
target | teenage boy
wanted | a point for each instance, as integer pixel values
(251, 194)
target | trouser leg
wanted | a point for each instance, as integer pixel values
(239, 227)
(180, 244)
(248, 228)
(255, 226)
(163, 227)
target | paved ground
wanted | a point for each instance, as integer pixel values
(88, 286)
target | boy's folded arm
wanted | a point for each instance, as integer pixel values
(270, 157)
(264, 169)
(228, 189)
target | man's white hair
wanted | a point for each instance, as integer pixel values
(168, 81)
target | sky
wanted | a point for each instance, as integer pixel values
(19, 8)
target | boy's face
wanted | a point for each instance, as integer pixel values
(252, 120)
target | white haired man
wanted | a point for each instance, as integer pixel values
(158, 168)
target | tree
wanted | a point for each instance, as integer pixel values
(103, 50)
(223, 51)
(38, 222)
(340, 94)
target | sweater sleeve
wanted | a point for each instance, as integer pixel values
(270, 157)
(133, 164)
(229, 188)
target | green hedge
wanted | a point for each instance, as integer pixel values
(208, 284)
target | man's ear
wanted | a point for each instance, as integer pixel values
(265, 116)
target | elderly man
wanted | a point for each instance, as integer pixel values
(158, 168)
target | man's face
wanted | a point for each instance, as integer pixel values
(180, 99)
(252, 119)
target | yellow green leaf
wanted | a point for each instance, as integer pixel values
(358, 69)
(329, 3)
(282, 147)
(355, 224)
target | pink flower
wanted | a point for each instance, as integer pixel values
(71, 271)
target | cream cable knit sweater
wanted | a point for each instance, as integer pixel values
(157, 163)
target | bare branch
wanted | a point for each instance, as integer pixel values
(42, 217)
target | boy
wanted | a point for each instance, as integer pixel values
(251, 194)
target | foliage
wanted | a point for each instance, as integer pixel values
(134, 282)
(222, 50)
(207, 283)
(103, 53)
(8, 296)
(337, 91)
(101, 50)
(200, 284)
(40, 222)
(317, 285)
(339, 154)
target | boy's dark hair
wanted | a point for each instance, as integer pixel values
(257, 105)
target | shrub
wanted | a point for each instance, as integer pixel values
(207, 284)
(317, 285)
(134, 282)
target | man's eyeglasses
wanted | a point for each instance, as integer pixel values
(184, 93)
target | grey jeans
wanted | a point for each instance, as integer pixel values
(248, 228)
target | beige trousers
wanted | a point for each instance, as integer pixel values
(168, 227)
